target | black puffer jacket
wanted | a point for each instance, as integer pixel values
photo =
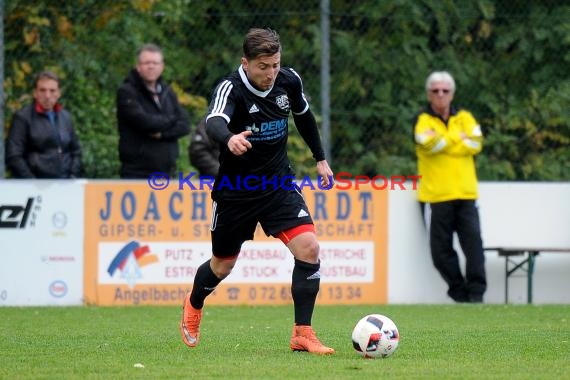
(139, 118)
(34, 150)
(204, 153)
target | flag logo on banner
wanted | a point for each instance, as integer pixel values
(129, 261)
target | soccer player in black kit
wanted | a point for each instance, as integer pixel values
(248, 117)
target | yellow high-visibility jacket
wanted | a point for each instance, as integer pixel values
(445, 155)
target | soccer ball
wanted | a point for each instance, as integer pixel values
(375, 336)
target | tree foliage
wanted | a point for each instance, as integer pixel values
(509, 60)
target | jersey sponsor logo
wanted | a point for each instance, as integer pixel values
(253, 109)
(302, 213)
(274, 125)
(268, 130)
(283, 102)
(252, 128)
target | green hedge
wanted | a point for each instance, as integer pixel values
(510, 61)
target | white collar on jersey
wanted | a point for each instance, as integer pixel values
(243, 75)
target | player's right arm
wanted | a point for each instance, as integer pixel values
(220, 112)
(218, 118)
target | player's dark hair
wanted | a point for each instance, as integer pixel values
(261, 42)
(46, 75)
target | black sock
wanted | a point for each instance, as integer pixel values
(204, 283)
(304, 288)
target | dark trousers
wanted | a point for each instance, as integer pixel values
(442, 219)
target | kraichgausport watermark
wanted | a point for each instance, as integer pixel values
(340, 181)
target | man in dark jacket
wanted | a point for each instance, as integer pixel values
(204, 153)
(150, 119)
(41, 142)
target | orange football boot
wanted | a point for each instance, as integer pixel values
(304, 339)
(190, 323)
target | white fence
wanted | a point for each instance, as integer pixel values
(42, 243)
(512, 215)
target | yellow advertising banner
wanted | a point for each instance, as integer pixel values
(144, 246)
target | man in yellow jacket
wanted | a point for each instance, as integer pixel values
(447, 139)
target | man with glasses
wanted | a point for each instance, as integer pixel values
(150, 119)
(447, 139)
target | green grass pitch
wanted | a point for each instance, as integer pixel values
(246, 342)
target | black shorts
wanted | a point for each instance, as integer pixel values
(234, 221)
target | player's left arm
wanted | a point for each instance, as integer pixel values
(325, 174)
(307, 126)
(302, 114)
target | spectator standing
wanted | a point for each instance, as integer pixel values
(150, 118)
(447, 139)
(42, 142)
(203, 152)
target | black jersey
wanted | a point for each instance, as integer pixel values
(266, 114)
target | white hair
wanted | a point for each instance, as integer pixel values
(440, 76)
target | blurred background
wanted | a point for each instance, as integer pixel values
(363, 63)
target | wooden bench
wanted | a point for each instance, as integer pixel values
(526, 264)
